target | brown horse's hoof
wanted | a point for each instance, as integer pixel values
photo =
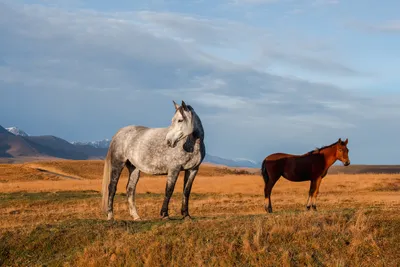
(314, 207)
(308, 207)
(268, 209)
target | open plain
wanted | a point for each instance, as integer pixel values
(50, 215)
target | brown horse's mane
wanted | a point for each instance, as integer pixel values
(318, 149)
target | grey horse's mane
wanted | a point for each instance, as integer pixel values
(198, 127)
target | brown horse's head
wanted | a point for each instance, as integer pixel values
(342, 152)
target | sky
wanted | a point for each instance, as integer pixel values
(264, 76)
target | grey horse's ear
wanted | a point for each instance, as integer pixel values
(184, 106)
(176, 105)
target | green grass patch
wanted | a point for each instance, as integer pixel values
(7, 199)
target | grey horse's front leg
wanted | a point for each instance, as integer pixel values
(187, 187)
(169, 189)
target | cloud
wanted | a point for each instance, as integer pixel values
(390, 26)
(82, 75)
(255, 2)
(190, 29)
(312, 63)
(295, 11)
(313, 3)
(325, 2)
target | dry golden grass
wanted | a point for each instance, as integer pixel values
(51, 223)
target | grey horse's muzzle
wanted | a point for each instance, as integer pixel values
(171, 144)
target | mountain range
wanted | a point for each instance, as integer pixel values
(16, 143)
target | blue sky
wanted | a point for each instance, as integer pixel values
(264, 75)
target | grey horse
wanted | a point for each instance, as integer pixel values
(157, 151)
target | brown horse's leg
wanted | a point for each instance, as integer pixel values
(267, 192)
(314, 187)
(311, 193)
(314, 196)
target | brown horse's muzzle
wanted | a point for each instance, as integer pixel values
(347, 163)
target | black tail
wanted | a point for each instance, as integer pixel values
(264, 172)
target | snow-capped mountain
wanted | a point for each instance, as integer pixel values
(17, 131)
(105, 143)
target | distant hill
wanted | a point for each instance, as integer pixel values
(16, 146)
(55, 147)
(363, 169)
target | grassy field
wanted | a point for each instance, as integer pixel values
(49, 215)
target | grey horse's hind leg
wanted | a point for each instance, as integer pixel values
(112, 188)
(134, 175)
(169, 189)
(187, 187)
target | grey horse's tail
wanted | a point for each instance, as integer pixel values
(106, 181)
(264, 171)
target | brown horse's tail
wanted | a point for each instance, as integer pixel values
(264, 171)
(106, 181)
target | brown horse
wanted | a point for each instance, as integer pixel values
(311, 166)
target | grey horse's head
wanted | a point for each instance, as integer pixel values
(182, 125)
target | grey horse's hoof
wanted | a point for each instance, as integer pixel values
(137, 219)
(164, 215)
(110, 216)
(187, 218)
(165, 218)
